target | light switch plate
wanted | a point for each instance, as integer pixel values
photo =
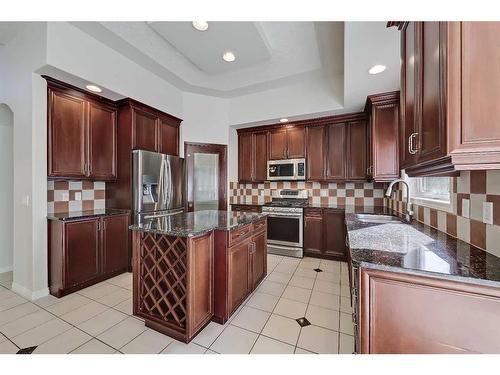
(488, 212)
(465, 208)
(78, 196)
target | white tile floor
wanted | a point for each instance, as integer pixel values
(99, 319)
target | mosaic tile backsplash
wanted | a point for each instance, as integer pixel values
(476, 187)
(64, 196)
(348, 193)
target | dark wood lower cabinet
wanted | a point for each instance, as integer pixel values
(86, 251)
(413, 314)
(324, 233)
(240, 265)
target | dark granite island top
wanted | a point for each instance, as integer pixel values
(192, 224)
(87, 214)
(416, 248)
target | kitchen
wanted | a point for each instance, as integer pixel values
(327, 228)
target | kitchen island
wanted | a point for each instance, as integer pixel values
(418, 290)
(190, 268)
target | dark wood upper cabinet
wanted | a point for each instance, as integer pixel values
(102, 145)
(252, 157)
(356, 151)
(277, 144)
(383, 117)
(81, 134)
(296, 142)
(145, 128)
(67, 117)
(336, 154)
(168, 134)
(316, 155)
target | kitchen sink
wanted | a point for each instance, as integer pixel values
(378, 219)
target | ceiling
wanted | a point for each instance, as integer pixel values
(268, 54)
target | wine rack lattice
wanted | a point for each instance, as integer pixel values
(163, 275)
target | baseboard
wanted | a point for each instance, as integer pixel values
(6, 269)
(27, 293)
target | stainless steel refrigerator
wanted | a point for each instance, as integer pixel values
(159, 184)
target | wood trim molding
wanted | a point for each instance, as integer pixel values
(144, 107)
(381, 99)
(319, 121)
(439, 167)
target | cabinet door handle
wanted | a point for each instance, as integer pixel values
(411, 149)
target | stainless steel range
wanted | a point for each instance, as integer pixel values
(285, 222)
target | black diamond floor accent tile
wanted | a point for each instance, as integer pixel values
(27, 350)
(303, 322)
(318, 270)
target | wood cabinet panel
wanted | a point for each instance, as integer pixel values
(335, 234)
(168, 133)
(259, 155)
(408, 127)
(313, 234)
(316, 144)
(114, 244)
(239, 276)
(245, 154)
(399, 315)
(66, 135)
(296, 143)
(259, 258)
(336, 152)
(145, 125)
(81, 252)
(102, 141)
(356, 151)
(277, 144)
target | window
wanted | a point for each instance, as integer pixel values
(431, 192)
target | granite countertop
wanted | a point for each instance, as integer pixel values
(416, 248)
(192, 224)
(74, 215)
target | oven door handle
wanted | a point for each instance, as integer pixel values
(298, 216)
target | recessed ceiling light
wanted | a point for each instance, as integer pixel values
(376, 69)
(93, 88)
(228, 56)
(283, 120)
(200, 25)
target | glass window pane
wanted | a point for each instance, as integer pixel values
(206, 182)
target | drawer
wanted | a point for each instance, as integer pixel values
(245, 208)
(238, 234)
(313, 212)
(260, 225)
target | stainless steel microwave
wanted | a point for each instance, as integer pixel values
(286, 170)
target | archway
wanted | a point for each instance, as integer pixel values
(6, 195)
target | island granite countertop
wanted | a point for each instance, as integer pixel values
(416, 248)
(192, 224)
(87, 214)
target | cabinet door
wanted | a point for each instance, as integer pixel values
(356, 151)
(431, 124)
(259, 258)
(245, 156)
(114, 244)
(336, 152)
(384, 140)
(296, 143)
(277, 144)
(407, 125)
(260, 157)
(145, 126)
(335, 234)
(238, 274)
(316, 136)
(102, 141)
(313, 232)
(81, 252)
(168, 137)
(66, 138)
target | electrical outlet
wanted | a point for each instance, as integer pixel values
(488, 212)
(465, 208)
(78, 196)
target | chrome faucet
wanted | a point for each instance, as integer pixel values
(409, 207)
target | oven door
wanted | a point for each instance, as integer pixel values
(284, 229)
(282, 170)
